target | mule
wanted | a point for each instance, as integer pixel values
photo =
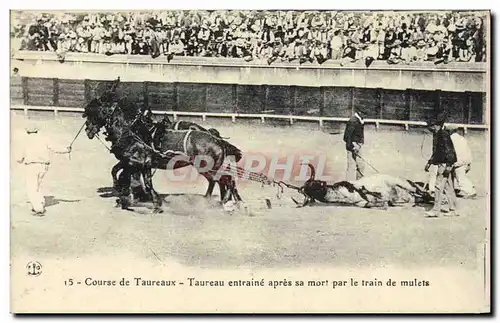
(166, 124)
(138, 151)
(130, 143)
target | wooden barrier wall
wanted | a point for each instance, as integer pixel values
(414, 105)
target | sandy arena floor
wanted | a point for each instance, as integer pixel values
(82, 220)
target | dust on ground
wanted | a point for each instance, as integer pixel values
(82, 218)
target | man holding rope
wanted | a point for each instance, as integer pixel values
(36, 160)
(354, 139)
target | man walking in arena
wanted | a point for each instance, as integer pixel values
(444, 157)
(463, 185)
(36, 160)
(354, 139)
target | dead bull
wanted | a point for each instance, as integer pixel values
(377, 190)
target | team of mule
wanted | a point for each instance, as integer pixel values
(141, 145)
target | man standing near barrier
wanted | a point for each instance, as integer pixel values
(444, 157)
(354, 139)
(463, 185)
(36, 159)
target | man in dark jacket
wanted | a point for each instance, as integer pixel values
(354, 139)
(444, 157)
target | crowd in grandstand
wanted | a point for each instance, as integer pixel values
(269, 36)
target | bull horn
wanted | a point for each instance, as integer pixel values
(313, 172)
(226, 138)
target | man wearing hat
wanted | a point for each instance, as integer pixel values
(420, 50)
(444, 157)
(38, 34)
(395, 53)
(36, 159)
(349, 55)
(389, 41)
(354, 138)
(320, 52)
(204, 34)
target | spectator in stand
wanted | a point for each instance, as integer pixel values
(457, 36)
(395, 53)
(240, 50)
(262, 50)
(162, 38)
(336, 44)
(478, 37)
(380, 41)
(96, 34)
(128, 37)
(106, 39)
(204, 35)
(177, 47)
(320, 52)
(421, 48)
(371, 52)
(83, 34)
(37, 36)
(276, 51)
(464, 43)
(389, 41)
(349, 54)
(432, 51)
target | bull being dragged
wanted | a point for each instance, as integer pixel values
(375, 191)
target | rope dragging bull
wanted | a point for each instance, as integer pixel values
(374, 191)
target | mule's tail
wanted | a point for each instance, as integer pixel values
(231, 150)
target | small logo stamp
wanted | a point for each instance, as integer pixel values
(34, 268)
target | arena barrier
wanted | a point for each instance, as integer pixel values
(454, 77)
(262, 117)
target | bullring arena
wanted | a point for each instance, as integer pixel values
(82, 219)
(280, 86)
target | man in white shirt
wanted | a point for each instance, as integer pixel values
(462, 166)
(36, 160)
(336, 44)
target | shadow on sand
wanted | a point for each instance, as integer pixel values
(106, 192)
(180, 203)
(51, 200)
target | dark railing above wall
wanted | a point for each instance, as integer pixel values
(404, 105)
(426, 66)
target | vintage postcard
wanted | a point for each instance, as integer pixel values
(250, 161)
